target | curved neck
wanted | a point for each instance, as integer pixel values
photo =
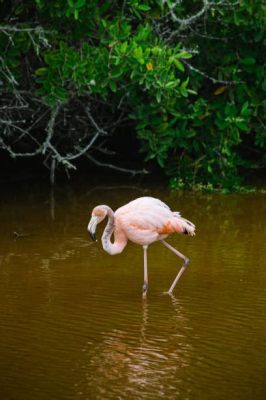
(109, 229)
(119, 242)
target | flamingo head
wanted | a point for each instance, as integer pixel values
(97, 215)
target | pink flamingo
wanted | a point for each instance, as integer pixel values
(143, 221)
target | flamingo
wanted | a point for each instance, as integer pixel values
(142, 221)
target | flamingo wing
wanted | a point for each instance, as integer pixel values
(147, 201)
(147, 219)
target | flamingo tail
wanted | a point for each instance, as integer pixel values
(187, 227)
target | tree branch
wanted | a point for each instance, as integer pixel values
(210, 78)
(111, 166)
(184, 22)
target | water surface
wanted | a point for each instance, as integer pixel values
(73, 323)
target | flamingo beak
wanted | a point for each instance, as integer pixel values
(92, 227)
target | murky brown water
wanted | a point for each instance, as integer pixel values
(73, 324)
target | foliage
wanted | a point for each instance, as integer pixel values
(188, 76)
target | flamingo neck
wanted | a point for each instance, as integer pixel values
(108, 231)
(119, 239)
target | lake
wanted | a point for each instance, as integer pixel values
(73, 322)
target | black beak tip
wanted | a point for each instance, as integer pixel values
(93, 236)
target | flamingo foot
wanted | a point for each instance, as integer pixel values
(169, 293)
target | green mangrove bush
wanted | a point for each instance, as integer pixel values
(186, 76)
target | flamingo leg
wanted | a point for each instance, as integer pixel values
(186, 262)
(145, 283)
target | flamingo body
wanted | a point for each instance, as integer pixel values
(146, 220)
(142, 221)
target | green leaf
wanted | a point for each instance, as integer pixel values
(117, 73)
(179, 65)
(161, 161)
(80, 3)
(170, 85)
(138, 54)
(158, 96)
(230, 110)
(71, 3)
(61, 93)
(113, 86)
(248, 61)
(76, 14)
(245, 109)
(184, 92)
(184, 55)
(123, 47)
(242, 126)
(144, 7)
(41, 71)
(184, 84)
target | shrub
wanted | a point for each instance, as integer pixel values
(188, 76)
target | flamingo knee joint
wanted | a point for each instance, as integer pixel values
(187, 261)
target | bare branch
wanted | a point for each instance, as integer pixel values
(75, 144)
(81, 152)
(111, 166)
(37, 31)
(50, 128)
(167, 33)
(184, 22)
(94, 123)
(222, 39)
(41, 149)
(213, 80)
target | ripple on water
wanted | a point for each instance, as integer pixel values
(73, 323)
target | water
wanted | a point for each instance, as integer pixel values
(73, 323)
